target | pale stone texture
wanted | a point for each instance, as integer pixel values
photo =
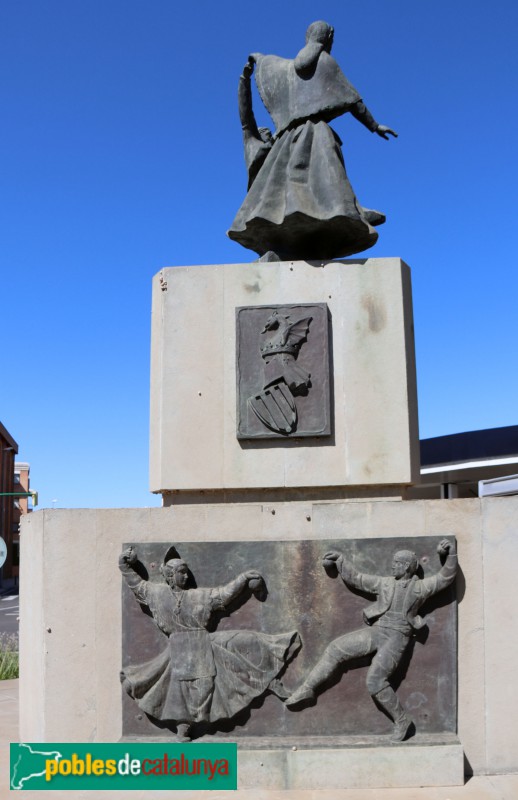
(354, 767)
(382, 767)
(193, 377)
(71, 688)
(500, 548)
(32, 633)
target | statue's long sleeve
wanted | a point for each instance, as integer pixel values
(233, 589)
(137, 585)
(246, 114)
(360, 111)
(359, 580)
(255, 149)
(444, 577)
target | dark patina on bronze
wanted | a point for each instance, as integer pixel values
(300, 203)
(283, 383)
(305, 597)
(201, 676)
(392, 621)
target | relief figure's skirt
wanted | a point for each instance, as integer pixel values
(246, 663)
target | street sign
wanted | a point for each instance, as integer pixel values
(3, 552)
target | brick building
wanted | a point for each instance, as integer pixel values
(8, 451)
(21, 507)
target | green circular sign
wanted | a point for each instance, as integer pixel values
(3, 552)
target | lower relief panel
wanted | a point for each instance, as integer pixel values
(263, 642)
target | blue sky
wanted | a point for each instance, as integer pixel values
(121, 154)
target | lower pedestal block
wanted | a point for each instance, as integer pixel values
(438, 762)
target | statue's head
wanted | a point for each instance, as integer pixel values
(175, 572)
(320, 32)
(319, 38)
(404, 564)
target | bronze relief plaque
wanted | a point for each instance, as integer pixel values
(290, 642)
(283, 371)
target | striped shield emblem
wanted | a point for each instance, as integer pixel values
(275, 408)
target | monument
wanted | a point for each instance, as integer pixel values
(283, 440)
(300, 204)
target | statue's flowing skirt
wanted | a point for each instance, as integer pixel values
(246, 662)
(301, 204)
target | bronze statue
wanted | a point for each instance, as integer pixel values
(393, 620)
(201, 676)
(300, 204)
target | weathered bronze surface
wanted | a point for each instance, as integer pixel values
(202, 676)
(302, 596)
(283, 374)
(392, 621)
(300, 203)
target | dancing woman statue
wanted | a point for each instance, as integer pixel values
(201, 676)
(300, 204)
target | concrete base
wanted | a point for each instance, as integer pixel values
(431, 764)
(70, 627)
(374, 438)
(482, 787)
(347, 763)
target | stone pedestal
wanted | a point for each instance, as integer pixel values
(335, 478)
(373, 436)
(362, 765)
(71, 656)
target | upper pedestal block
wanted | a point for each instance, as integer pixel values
(283, 375)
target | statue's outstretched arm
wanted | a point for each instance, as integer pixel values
(236, 587)
(127, 559)
(360, 111)
(350, 576)
(256, 149)
(447, 573)
(244, 101)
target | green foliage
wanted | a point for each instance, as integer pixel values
(9, 667)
